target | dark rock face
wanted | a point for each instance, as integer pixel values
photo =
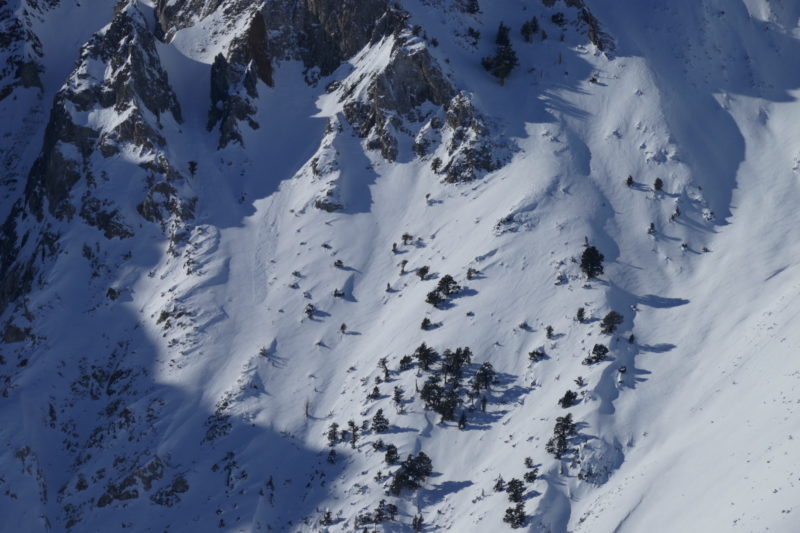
(127, 48)
(20, 46)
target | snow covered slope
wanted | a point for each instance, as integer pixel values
(228, 228)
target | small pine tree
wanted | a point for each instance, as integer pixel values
(580, 316)
(405, 362)
(462, 421)
(380, 424)
(505, 59)
(629, 181)
(391, 456)
(610, 322)
(426, 324)
(417, 523)
(531, 475)
(448, 286)
(499, 485)
(515, 516)
(549, 332)
(353, 433)
(568, 400)
(515, 489)
(332, 456)
(658, 184)
(192, 168)
(592, 262)
(422, 272)
(434, 298)
(333, 434)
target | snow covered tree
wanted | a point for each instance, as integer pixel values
(610, 322)
(380, 424)
(592, 262)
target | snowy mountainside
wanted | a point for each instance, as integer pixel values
(224, 224)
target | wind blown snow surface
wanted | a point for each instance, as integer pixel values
(190, 390)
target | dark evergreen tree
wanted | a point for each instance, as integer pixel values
(599, 353)
(332, 456)
(536, 355)
(531, 475)
(485, 376)
(192, 168)
(353, 433)
(558, 19)
(462, 420)
(422, 272)
(448, 286)
(426, 323)
(505, 59)
(391, 456)
(397, 398)
(629, 181)
(333, 434)
(549, 332)
(563, 430)
(380, 424)
(658, 184)
(383, 364)
(425, 356)
(515, 489)
(529, 28)
(412, 472)
(515, 516)
(375, 394)
(592, 262)
(471, 273)
(405, 362)
(580, 316)
(499, 485)
(568, 400)
(610, 322)
(431, 392)
(434, 298)
(417, 523)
